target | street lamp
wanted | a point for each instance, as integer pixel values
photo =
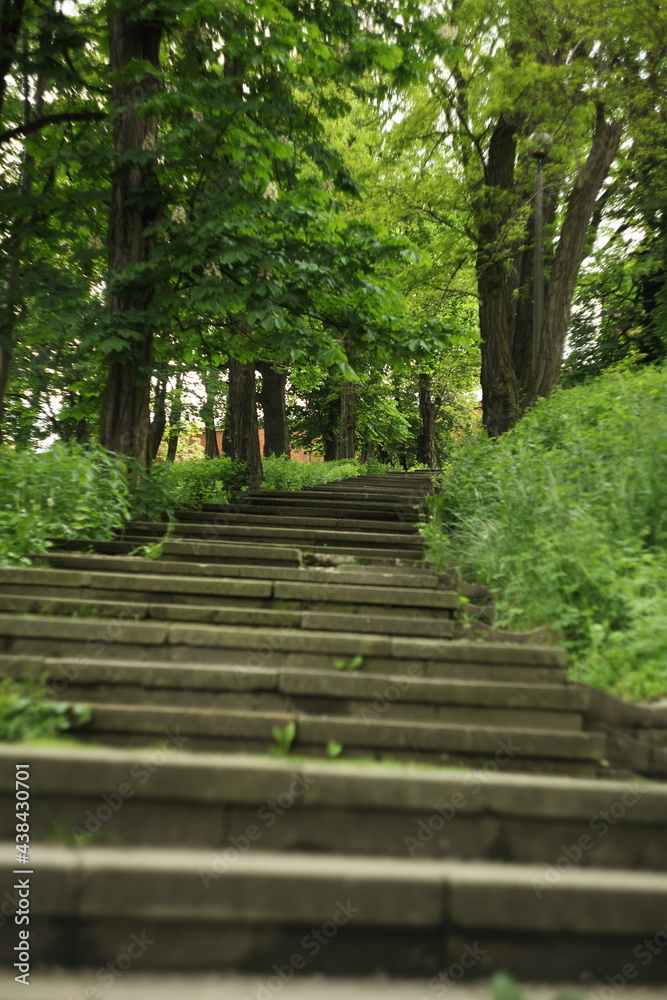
(540, 146)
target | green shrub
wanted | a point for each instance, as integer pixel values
(26, 713)
(185, 486)
(565, 517)
(63, 492)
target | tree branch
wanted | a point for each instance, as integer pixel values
(39, 123)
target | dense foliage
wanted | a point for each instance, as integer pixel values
(72, 491)
(565, 518)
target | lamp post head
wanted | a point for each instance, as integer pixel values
(540, 145)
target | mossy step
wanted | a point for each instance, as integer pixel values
(301, 507)
(404, 916)
(234, 552)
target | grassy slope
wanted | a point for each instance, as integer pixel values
(566, 518)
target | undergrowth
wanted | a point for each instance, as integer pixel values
(72, 491)
(565, 518)
(28, 711)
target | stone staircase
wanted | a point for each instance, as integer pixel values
(298, 761)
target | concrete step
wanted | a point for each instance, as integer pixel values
(363, 575)
(251, 730)
(304, 520)
(172, 797)
(232, 552)
(351, 693)
(55, 984)
(403, 916)
(302, 507)
(158, 587)
(379, 624)
(402, 542)
(173, 642)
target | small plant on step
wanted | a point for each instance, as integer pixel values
(284, 738)
(503, 987)
(354, 664)
(334, 749)
(154, 550)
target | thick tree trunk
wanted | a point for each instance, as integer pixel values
(511, 382)
(272, 402)
(159, 421)
(243, 425)
(125, 417)
(11, 298)
(347, 435)
(175, 415)
(428, 411)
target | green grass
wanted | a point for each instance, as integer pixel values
(565, 518)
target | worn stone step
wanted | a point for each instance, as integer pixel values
(438, 741)
(345, 524)
(234, 552)
(155, 587)
(301, 507)
(170, 796)
(380, 624)
(363, 575)
(300, 536)
(176, 642)
(410, 917)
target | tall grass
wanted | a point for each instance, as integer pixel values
(565, 517)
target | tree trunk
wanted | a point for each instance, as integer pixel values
(347, 435)
(159, 421)
(272, 402)
(428, 411)
(511, 382)
(211, 449)
(175, 415)
(243, 425)
(11, 16)
(11, 299)
(125, 417)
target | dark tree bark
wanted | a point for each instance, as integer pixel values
(347, 435)
(428, 411)
(243, 425)
(159, 421)
(510, 381)
(272, 402)
(11, 16)
(175, 415)
(11, 300)
(125, 417)
(211, 449)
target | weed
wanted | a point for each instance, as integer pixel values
(354, 664)
(503, 987)
(284, 739)
(334, 749)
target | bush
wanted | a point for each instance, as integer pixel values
(63, 492)
(185, 486)
(26, 713)
(565, 518)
